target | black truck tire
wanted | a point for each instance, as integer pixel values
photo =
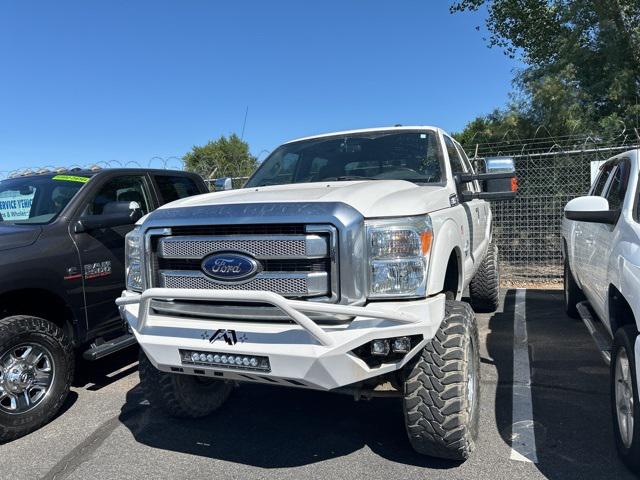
(484, 288)
(179, 395)
(442, 388)
(627, 443)
(572, 293)
(36, 368)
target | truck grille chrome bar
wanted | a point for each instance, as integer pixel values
(295, 265)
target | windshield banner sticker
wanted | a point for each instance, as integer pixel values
(71, 178)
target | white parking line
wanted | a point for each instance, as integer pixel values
(523, 435)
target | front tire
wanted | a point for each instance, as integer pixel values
(484, 288)
(624, 397)
(572, 293)
(36, 368)
(442, 389)
(182, 396)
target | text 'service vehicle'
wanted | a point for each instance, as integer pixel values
(339, 266)
(601, 249)
(61, 267)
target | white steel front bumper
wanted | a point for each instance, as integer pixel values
(302, 354)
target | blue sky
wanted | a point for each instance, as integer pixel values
(83, 82)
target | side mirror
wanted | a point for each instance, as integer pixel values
(225, 183)
(591, 209)
(114, 214)
(499, 180)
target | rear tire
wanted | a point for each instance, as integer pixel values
(624, 397)
(182, 396)
(484, 288)
(572, 293)
(36, 368)
(442, 388)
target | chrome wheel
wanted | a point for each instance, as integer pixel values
(26, 375)
(624, 397)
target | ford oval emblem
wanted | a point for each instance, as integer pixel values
(230, 267)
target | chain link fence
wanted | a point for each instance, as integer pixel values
(551, 171)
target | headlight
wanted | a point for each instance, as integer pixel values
(133, 257)
(398, 251)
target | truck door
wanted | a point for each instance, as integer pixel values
(583, 238)
(603, 238)
(102, 250)
(473, 209)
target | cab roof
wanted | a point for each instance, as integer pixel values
(398, 128)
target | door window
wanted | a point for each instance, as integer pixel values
(617, 187)
(130, 188)
(598, 186)
(173, 187)
(456, 161)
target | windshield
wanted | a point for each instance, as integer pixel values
(37, 199)
(385, 155)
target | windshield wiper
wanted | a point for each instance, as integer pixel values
(346, 178)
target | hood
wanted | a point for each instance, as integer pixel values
(15, 236)
(372, 198)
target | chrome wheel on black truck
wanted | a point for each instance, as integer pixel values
(36, 367)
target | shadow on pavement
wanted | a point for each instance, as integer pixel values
(277, 427)
(570, 390)
(100, 373)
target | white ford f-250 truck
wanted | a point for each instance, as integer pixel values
(339, 266)
(601, 247)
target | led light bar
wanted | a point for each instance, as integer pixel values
(226, 360)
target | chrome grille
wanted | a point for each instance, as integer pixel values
(295, 265)
(283, 285)
(190, 247)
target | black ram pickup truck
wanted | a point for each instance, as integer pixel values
(62, 247)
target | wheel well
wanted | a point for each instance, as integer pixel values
(452, 275)
(38, 303)
(620, 312)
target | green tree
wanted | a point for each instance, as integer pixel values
(225, 157)
(582, 62)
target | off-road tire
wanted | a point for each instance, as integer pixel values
(625, 338)
(484, 288)
(19, 329)
(571, 292)
(441, 420)
(179, 395)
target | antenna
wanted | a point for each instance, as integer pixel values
(244, 123)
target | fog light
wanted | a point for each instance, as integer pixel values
(253, 362)
(223, 359)
(195, 357)
(380, 347)
(216, 358)
(401, 345)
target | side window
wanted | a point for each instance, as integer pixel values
(469, 168)
(617, 187)
(456, 161)
(601, 181)
(173, 187)
(129, 188)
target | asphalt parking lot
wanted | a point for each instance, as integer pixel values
(108, 431)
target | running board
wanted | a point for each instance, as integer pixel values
(603, 346)
(107, 348)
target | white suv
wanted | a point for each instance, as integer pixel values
(339, 266)
(601, 247)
